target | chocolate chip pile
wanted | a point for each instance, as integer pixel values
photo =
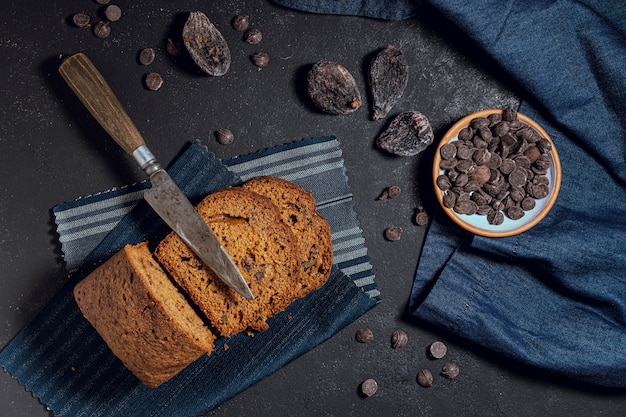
(497, 168)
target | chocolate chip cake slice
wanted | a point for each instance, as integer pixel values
(263, 248)
(298, 211)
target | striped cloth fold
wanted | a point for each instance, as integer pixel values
(61, 359)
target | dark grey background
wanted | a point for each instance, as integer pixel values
(51, 151)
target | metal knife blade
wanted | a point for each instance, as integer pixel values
(175, 209)
(164, 196)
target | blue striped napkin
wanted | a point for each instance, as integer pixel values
(61, 359)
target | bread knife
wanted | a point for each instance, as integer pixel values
(164, 196)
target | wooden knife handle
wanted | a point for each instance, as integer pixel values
(91, 88)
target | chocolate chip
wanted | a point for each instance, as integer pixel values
(450, 370)
(81, 20)
(425, 378)
(102, 30)
(393, 233)
(364, 335)
(153, 81)
(399, 339)
(260, 59)
(369, 387)
(240, 22)
(437, 350)
(253, 36)
(224, 136)
(113, 13)
(147, 56)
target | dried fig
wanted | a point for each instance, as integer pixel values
(206, 45)
(332, 88)
(388, 77)
(408, 134)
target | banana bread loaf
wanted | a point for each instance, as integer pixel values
(298, 211)
(142, 317)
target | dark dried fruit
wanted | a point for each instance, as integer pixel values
(146, 56)
(425, 378)
(369, 387)
(81, 20)
(206, 45)
(393, 233)
(224, 136)
(153, 81)
(260, 59)
(437, 350)
(240, 23)
(388, 78)
(253, 36)
(450, 370)
(102, 30)
(332, 88)
(399, 339)
(364, 335)
(408, 134)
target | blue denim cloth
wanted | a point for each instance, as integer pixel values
(389, 10)
(553, 297)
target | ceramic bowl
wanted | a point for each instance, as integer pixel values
(478, 223)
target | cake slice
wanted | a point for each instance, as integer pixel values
(298, 211)
(143, 318)
(264, 249)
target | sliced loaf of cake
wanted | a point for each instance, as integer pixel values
(263, 248)
(298, 211)
(143, 318)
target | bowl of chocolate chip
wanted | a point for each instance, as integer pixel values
(496, 173)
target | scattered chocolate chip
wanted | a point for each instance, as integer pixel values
(146, 56)
(364, 335)
(113, 13)
(408, 134)
(390, 192)
(369, 387)
(253, 36)
(450, 370)
(425, 378)
(399, 338)
(421, 217)
(102, 30)
(388, 77)
(153, 81)
(224, 136)
(393, 233)
(240, 22)
(81, 20)
(437, 350)
(260, 59)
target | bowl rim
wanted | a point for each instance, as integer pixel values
(436, 171)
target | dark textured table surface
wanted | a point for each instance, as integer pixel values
(51, 150)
